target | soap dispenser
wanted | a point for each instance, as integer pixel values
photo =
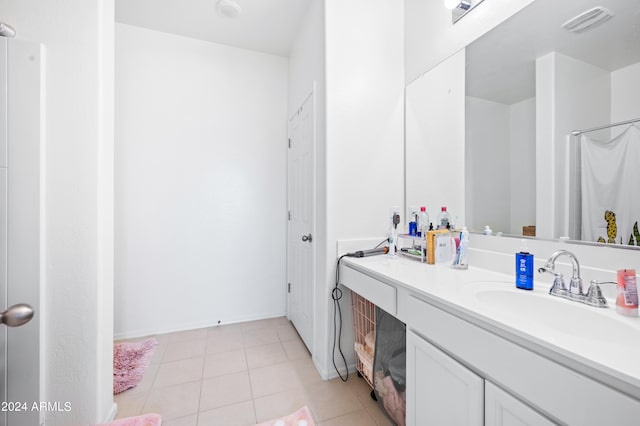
(524, 267)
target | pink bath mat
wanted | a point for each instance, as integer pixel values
(130, 359)
(302, 417)
(144, 420)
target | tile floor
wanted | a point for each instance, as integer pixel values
(242, 374)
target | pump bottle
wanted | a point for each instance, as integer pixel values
(524, 267)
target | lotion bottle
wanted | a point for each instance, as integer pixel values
(524, 267)
(627, 300)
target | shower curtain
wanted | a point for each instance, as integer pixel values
(610, 176)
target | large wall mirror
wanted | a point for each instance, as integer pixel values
(529, 83)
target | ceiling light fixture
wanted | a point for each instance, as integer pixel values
(229, 8)
(6, 30)
(453, 4)
(459, 8)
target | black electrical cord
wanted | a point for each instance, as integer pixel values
(336, 295)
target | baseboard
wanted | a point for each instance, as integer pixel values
(112, 413)
(332, 374)
(134, 334)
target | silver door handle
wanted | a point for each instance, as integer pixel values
(306, 238)
(17, 315)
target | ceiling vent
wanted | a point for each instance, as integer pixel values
(229, 8)
(587, 20)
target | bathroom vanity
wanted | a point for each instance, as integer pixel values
(479, 351)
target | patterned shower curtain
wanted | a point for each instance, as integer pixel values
(610, 176)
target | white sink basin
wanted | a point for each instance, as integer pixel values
(567, 319)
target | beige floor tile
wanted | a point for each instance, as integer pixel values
(185, 349)
(224, 363)
(255, 325)
(359, 387)
(287, 332)
(357, 418)
(224, 342)
(305, 371)
(260, 337)
(380, 418)
(225, 390)
(295, 349)
(273, 379)
(129, 405)
(227, 328)
(331, 399)
(173, 402)
(262, 356)
(278, 405)
(191, 420)
(181, 336)
(277, 322)
(241, 414)
(362, 391)
(176, 372)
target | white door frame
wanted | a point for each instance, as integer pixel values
(314, 215)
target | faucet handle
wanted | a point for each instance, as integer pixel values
(575, 288)
(594, 295)
(558, 288)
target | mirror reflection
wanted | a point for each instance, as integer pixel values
(553, 68)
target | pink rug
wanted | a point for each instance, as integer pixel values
(144, 420)
(130, 359)
(302, 417)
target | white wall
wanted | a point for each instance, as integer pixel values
(435, 140)
(430, 37)
(77, 36)
(364, 152)
(570, 95)
(522, 159)
(489, 151)
(625, 95)
(306, 66)
(201, 132)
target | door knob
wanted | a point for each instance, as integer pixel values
(306, 238)
(17, 315)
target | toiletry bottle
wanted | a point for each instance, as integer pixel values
(524, 267)
(412, 221)
(487, 230)
(627, 300)
(444, 219)
(461, 259)
(423, 222)
(413, 227)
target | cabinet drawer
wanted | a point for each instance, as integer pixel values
(377, 292)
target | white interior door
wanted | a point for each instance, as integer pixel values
(20, 231)
(301, 243)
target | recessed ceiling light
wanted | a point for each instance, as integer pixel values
(229, 8)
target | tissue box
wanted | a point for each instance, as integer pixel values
(440, 246)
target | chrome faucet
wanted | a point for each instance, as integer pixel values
(593, 296)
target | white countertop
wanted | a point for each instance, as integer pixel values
(594, 341)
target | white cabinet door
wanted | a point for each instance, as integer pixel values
(502, 409)
(440, 391)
